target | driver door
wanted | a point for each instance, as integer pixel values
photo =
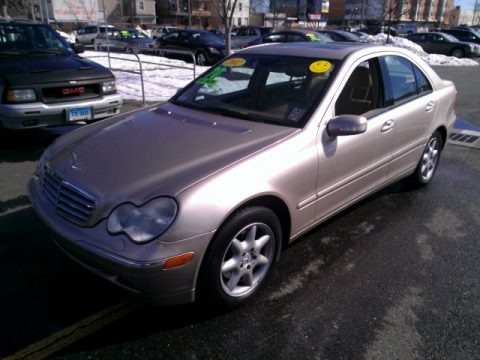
(352, 166)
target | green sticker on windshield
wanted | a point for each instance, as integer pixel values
(210, 79)
(312, 37)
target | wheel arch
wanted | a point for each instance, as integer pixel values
(278, 207)
(458, 48)
(443, 132)
(271, 202)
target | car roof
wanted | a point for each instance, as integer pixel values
(298, 31)
(331, 50)
(21, 21)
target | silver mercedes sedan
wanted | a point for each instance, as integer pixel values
(194, 199)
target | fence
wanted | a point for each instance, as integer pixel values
(143, 62)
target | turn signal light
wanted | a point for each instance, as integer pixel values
(178, 260)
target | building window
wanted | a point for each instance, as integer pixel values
(239, 6)
(239, 21)
(141, 5)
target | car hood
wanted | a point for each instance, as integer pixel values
(30, 70)
(155, 152)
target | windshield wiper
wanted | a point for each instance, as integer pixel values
(218, 109)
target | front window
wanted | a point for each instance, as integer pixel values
(263, 88)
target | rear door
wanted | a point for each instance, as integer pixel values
(412, 105)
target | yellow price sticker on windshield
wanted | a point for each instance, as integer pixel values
(312, 37)
(233, 62)
(320, 66)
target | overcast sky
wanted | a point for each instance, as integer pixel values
(465, 4)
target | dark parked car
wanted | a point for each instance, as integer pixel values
(44, 82)
(340, 35)
(206, 47)
(295, 36)
(249, 35)
(123, 40)
(160, 31)
(377, 29)
(464, 34)
(442, 43)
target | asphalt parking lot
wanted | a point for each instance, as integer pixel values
(395, 277)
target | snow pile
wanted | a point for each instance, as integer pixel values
(162, 77)
(431, 59)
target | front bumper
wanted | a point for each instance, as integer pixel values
(137, 268)
(34, 115)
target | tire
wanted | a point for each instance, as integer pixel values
(428, 163)
(201, 58)
(457, 52)
(240, 258)
(128, 50)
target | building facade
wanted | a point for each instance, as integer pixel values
(433, 12)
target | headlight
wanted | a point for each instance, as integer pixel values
(109, 86)
(213, 50)
(143, 223)
(24, 95)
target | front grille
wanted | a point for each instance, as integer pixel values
(70, 92)
(68, 200)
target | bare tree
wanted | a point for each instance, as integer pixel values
(392, 11)
(278, 7)
(258, 6)
(226, 10)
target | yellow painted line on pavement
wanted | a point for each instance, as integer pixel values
(73, 333)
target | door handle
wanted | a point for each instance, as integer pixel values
(429, 106)
(388, 125)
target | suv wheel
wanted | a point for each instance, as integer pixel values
(457, 52)
(201, 58)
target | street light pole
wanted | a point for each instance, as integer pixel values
(475, 13)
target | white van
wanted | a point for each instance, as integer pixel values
(405, 28)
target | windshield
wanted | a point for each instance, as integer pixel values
(206, 38)
(450, 37)
(31, 39)
(281, 90)
(348, 35)
(131, 34)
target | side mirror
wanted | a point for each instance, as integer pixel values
(78, 48)
(344, 125)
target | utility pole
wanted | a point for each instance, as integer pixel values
(475, 12)
(131, 12)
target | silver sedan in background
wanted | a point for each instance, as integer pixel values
(196, 198)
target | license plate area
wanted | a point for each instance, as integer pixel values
(78, 114)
